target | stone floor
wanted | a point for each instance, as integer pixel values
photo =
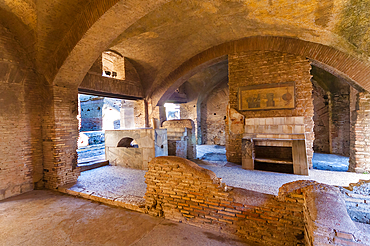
(50, 218)
(126, 187)
(129, 184)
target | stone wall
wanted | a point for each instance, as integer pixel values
(321, 118)
(305, 212)
(359, 160)
(179, 126)
(151, 143)
(213, 114)
(139, 113)
(189, 111)
(91, 113)
(265, 67)
(21, 99)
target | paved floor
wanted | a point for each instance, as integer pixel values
(113, 182)
(129, 184)
(49, 218)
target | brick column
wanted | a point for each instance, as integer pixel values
(359, 160)
(60, 134)
(266, 68)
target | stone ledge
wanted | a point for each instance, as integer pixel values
(138, 204)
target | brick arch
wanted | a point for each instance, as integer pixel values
(94, 30)
(334, 60)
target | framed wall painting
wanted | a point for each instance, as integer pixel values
(267, 97)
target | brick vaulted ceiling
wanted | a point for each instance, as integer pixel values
(64, 37)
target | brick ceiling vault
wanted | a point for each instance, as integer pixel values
(353, 69)
(167, 40)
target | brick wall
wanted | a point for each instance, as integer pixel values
(213, 113)
(359, 160)
(100, 84)
(180, 190)
(265, 67)
(91, 114)
(60, 134)
(304, 213)
(326, 219)
(340, 119)
(21, 99)
(321, 118)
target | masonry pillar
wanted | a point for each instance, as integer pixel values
(359, 160)
(158, 112)
(268, 68)
(60, 134)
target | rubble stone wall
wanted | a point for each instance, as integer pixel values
(213, 113)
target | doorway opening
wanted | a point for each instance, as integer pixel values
(96, 115)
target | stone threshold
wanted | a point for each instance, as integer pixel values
(127, 202)
(92, 165)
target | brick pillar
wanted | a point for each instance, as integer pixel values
(60, 134)
(359, 160)
(267, 68)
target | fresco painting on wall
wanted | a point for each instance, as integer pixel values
(270, 96)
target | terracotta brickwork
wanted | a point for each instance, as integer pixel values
(360, 147)
(60, 133)
(323, 226)
(333, 60)
(264, 67)
(340, 120)
(321, 118)
(302, 213)
(21, 98)
(180, 190)
(102, 84)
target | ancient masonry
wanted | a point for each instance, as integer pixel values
(360, 146)
(180, 190)
(273, 67)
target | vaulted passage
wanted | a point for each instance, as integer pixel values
(173, 95)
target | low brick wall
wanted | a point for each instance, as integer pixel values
(180, 190)
(326, 219)
(304, 213)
